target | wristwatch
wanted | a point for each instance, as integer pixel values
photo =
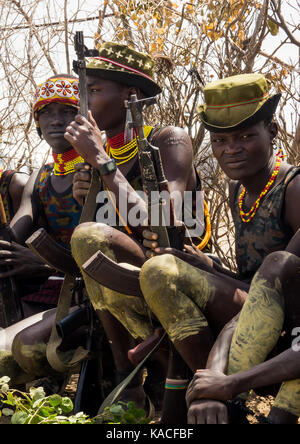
(108, 167)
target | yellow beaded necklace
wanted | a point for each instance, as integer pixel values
(64, 163)
(125, 152)
(248, 216)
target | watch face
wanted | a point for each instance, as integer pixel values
(111, 166)
(108, 167)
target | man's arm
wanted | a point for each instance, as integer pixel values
(211, 411)
(19, 259)
(175, 148)
(16, 188)
(292, 214)
(24, 219)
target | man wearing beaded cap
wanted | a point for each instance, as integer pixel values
(47, 202)
(203, 297)
(112, 77)
(39, 205)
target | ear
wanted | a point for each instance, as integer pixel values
(135, 90)
(273, 130)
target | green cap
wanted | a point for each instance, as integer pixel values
(122, 64)
(237, 101)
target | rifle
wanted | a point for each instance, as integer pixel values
(154, 180)
(61, 259)
(10, 303)
(80, 64)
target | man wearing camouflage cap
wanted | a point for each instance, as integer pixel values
(238, 113)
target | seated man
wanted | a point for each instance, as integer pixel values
(192, 296)
(47, 199)
(47, 202)
(248, 352)
(112, 78)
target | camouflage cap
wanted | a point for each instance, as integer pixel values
(122, 64)
(237, 101)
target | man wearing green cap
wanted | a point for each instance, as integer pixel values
(112, 77)
(203, 297)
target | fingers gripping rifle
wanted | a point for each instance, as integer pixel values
(154, 181)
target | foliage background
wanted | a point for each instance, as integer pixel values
(193, 42)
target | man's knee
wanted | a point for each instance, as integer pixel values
(30, 356)
(157, 274)
(87, 239)
(280, 264)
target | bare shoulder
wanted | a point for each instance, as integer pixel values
(293, 190)
(292, 211)
(173, 136)
(18, 181)
(177, 157)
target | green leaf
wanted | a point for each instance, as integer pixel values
(10, 399)
(273, 27)
(37, 393)
(54, 400)
(19, 418)
(4, 388)
(4, 380)
(116, 409)
(7, 412)
(67, 405)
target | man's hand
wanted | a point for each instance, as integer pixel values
(207, 411)
(210, 384)
(191, 254)
(20, 261)
(85, 136)
(81, 182)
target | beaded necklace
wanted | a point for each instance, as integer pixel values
(64, 163)
(123, 153)
(247, 217)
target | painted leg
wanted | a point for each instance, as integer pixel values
(123, 317)
(272, 290)
(182, 298)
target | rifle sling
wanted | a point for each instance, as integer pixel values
(56, 359)
(112, 397)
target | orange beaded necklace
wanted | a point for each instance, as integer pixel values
(247, 217)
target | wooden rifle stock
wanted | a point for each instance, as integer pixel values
(53, 254)
(112, 275)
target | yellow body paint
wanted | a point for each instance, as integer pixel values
(288, 397)
(259, 326)
(177, 294)
(131, 311)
